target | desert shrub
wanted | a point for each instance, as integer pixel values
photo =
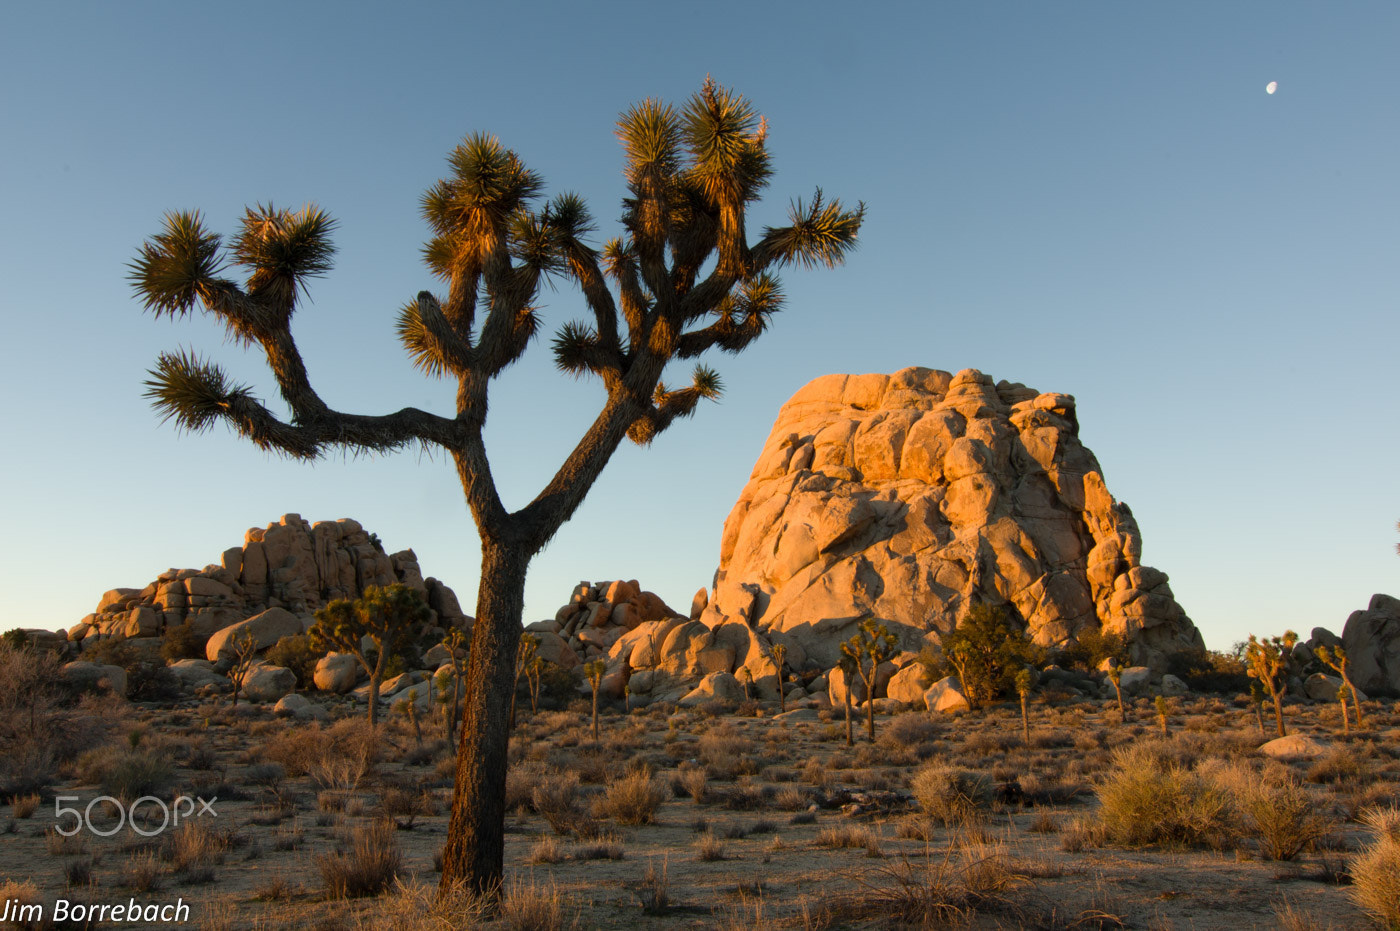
(559, 687)
(125, 773)
(555, 797)
(726, 753)
(145, 680)
(1091, 647)
(1375, 871)
(1209, 671)
(910, 730)
(181, 642)
(193, 846)
(988, 649)
(690, 782)
(1148, 797)
(336, 757)
(950, 794)
(30, 692)
(297, 654)
(367, 867)
(1271, 806)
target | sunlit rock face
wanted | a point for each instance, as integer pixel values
(291, 567)
(909, 497)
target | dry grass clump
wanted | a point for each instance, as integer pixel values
(1375, 872)
(527, 906)
(633, 799)
(726, 753)
(194, 848)
(124, 773)
(690, 782)
(1150, 798)
(420, 907)
(367, 868)
(556, 798)
(971, 877)
(950, 794)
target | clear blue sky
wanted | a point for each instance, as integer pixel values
(1092, 198)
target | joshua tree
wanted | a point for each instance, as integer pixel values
(682, 279)
(1115, 676)
(593, 671)
(1268, 663)
(533, 671)
(848, 669)
(244, 649)
(1023, 689)
(779, 652)
(386, 615)
(1256, 697)
(524, 653)
(1336, 659)
(745, 677)
(870, 646)
(1160, 703)
(456, 643)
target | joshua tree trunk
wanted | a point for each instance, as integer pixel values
(475, 848)
(1259, 715)
(1278, 711)
(1025, 721)
(850, 741)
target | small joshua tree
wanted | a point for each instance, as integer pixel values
(1023, 689)
(870, 646)
(848, 668)
(244, 649)
(458, 647)
(533, 672)
(593, 671)
(745, 678)
(780, 657)
(1115, 676)
(388, 616)
(525, 652)
(1268, 663)
(1161, 705)
(1336, 659)
(1257, 696)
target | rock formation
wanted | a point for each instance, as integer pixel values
(910, 496)
(1372, 642)
(292, 566)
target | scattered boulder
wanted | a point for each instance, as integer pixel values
(300, 707)
(946, 695)
(336, 672)
(265, 629)
(1295, 747)
(85, 676)
(716, 686)
(195, 674)
(268, 683)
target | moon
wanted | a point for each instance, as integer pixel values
(1271, 87)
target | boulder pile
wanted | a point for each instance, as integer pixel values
(292, 565)
(267, 589)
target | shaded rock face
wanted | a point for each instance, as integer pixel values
(1372, 642)
(909, 497)
(292, 566)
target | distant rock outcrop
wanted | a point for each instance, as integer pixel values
(908, 497)
(282, 573)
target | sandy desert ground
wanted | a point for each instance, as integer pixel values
(697, 818)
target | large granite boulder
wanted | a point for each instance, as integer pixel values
(1372, 641)
(908, 497)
